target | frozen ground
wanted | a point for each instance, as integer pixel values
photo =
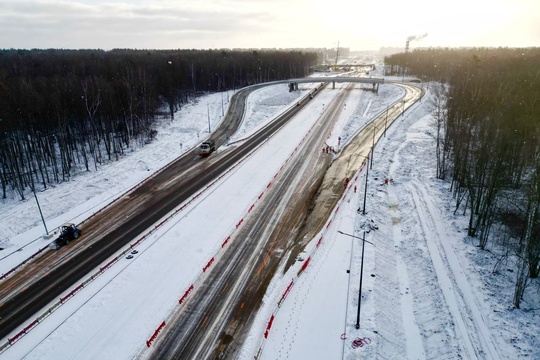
(427, 293)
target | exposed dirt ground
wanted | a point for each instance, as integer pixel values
(344, 166)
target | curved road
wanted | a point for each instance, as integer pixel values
(214, 323)
(47, 277)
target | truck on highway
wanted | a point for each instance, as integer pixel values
(207, 147)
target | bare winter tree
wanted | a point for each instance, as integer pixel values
(490, 144)
(440, 113)
(529, 245)
(65, 111)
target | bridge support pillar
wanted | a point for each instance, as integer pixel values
(333, 85)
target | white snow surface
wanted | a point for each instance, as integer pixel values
(427, 292)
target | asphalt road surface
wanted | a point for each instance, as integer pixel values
(215, 321)
(41, 281)
(213, 324)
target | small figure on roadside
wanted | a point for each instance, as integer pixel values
(346, 182)
(354, 188)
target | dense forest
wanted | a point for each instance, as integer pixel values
(62, 110)
(487, 119)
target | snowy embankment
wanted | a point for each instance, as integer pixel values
(175, 254)
(418, 299)
(87, 192)
(425, 294)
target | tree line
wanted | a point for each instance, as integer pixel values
(66, 110)
(486, 110)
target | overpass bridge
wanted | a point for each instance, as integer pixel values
(293, 83)
(342, 66)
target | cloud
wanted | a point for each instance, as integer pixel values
(107, 25)
(161, 24)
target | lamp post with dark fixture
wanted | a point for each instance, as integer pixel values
(367, 174)
(372, 147)
(385, 120)
(39, 208)
(365, 187)
(364, 241)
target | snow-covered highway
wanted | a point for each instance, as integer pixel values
(407, 311)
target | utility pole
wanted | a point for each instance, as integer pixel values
(372, 147)
(357, 326)
(337, 52)
(365, 188)
(39, 208)
(385, 120)
(364, 241)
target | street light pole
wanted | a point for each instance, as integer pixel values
(40, 213)
(365, 188)
(357, 326)
(385, 120)
(372, 147)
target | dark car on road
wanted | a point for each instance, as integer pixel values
(68, 232)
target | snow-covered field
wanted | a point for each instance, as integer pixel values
(427, 292)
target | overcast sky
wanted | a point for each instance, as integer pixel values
(204, 24)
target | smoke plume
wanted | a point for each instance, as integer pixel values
(416, 37)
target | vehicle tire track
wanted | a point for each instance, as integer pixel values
(469, 321)
(414, 343)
